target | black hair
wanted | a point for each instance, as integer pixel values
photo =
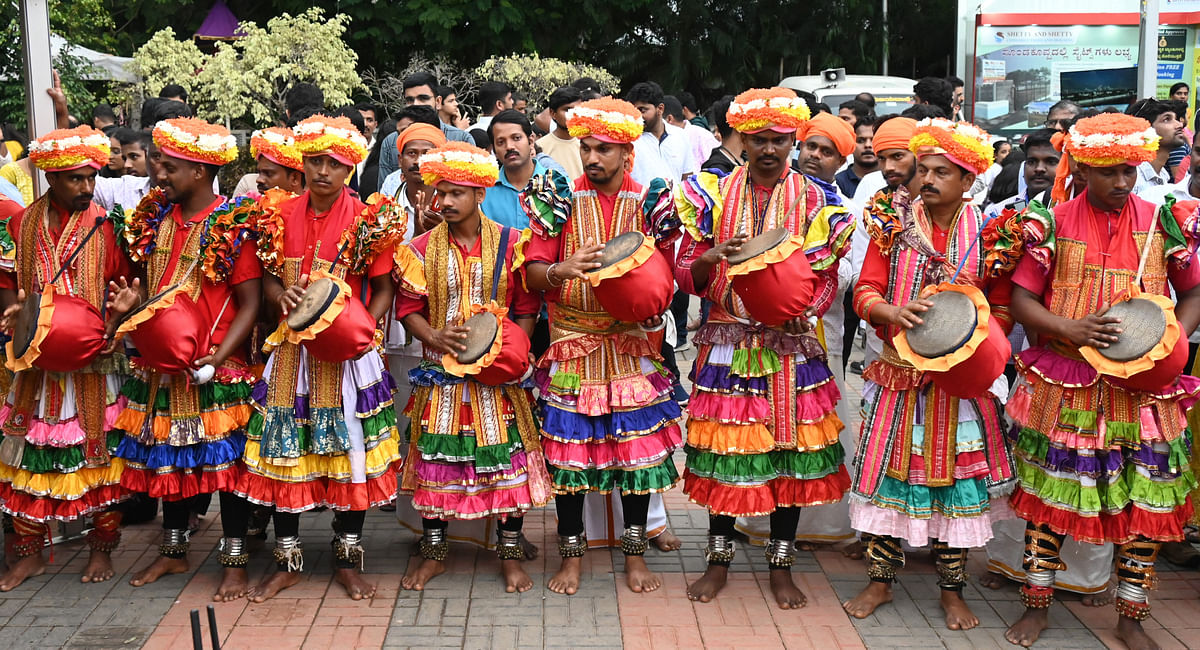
(170, 109)
(866, 98)
(351, 113)
(443, 92)
(1039, 138)
(861, 110)
(646, 92)
(955, 82)
(1008, 180)
(720, 110)
(937, 92)
(482, 139)
(104, 111)
(996, 147)
(672, 107)
(174, 90)
(129, 136)
(1176, 86)
(563, 96)
(689, 101)
(420, 113)
(587, 83)
(810, 100)
(421, 79)
(303, 95)
(491, 92)
(303, 113)
(519, 96)
(822, 107)
(920, 112)
(108, 130)
(1064, 105)
(1150, 108)
(587, 94)
(368, 106)
(870, 121)
(509, 116)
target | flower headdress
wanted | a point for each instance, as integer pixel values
(336, 137)
(64, 149)
(608, 120)
(278, 145)
(966, 145)
(461, 164)
(759, 109)
(195, 140)
(1103, 141)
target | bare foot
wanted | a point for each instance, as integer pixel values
(638, 576)
(21, 570)
(357, 587)
(871, 597)
(99, 567)
(992, 580)
(269, 588)
(667, 542)
(515, 578)
(162, 566)
(787, 594)
(1102, 599)
(958, 614)
(1131, 632)
(810, 546)
(1028, 628)
(529, 548)
(854, 550)
(709, 584)
(566, 581)
(234, 584)
(426, 570)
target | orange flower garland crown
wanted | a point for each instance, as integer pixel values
(337, 137)
(760, 109)
(607, 120)
(966, 145)
(1105, 140)
(278, 145)
(64, 149)
(195, 140)
(461, 164)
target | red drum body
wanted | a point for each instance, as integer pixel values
(57, 333)
(332, 325)
(171, 333)
(772, 277)
(497, 350)
(635, 282)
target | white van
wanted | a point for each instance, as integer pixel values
(892, 94)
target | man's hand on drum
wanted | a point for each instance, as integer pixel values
(10, 315)
(801, 324)
(123, 296)
(450, 340)
(290, 298)
(1093, 330)
(908, 316)
(577, 265)
(719, 252)
(651, 324)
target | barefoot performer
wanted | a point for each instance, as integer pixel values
(56, 458)
(184, 429)
(1101, 458)
(928, 457)
(474, 450)
(763, 431)
(324, 431)
(609, 422)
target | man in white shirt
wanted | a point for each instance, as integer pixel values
(1168, 125)
(700, 139)
(494, 96)
(668, 141)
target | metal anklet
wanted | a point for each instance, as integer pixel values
(175, 543)
(508, 545)
(1132, 601)
(721, 550)
(779, 554)
(348, 551)
(634, 541)
(289, 554)
(433, 545)
(881, 572)
(1036, 597)
(233, 552)
(572, 545)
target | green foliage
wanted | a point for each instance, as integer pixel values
(164, 59)
(537, 77)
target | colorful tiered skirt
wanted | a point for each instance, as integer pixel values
(476, 452)
(1097, 461)
(54, 479)
(184, 445)
(928, 465)
(331, 443)
(608, 421)
(763, 427)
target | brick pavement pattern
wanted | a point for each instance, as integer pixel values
(467, 608)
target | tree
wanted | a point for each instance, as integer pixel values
(537, 77)
(164, 60)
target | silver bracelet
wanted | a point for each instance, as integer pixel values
(549, 271)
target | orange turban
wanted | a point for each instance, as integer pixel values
(894, 134)
(420, 131)
(835, 128)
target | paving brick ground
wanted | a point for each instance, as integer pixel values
(467, 607)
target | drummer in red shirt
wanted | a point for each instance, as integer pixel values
(206, 284)
(324, 432)
(55, 460)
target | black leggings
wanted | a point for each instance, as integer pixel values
(510, 523)
(636, 509)
(783, 524)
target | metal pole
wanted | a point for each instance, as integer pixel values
(885, 38)
(1148, 50)
(35, 37)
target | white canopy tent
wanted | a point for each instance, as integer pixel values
(105, 67)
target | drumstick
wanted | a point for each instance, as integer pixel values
(78, 249)
(1137, 279)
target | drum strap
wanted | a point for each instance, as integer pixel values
(501, 256)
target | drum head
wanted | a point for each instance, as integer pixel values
(756, 246)
(1143, 325)
(25, 326)
(484, 329)
(947, 325)
(619, 248)
(316, 300)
